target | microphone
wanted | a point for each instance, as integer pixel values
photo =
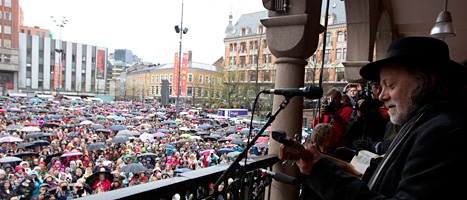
(278, 176)
(309, 92)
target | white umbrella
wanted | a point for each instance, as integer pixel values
(10, 139)
(184, 129)
(146, 136)
(87, 122)
(30, 128)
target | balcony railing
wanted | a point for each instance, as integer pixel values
(194, 184)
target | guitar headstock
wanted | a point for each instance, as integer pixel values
(291, 149)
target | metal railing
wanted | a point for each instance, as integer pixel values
(190, 185)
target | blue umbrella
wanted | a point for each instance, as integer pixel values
(224, 150)
(203, 127)
(182, 170)
(117, 128)
(56, 116)
(244, 131)
(163, 130)
(160, 116)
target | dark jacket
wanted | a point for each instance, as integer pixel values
(26, 190)
(3, 193)
(426, 163)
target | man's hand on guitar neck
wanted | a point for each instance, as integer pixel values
(306, 163)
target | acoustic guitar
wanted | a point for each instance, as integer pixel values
(293, 150)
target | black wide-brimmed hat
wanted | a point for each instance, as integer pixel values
(422, 50)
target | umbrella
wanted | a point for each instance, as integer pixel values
(119, 139)
(91, 180)
(71, 153)
(24, 145)
(202, 127)
(14, 127)
(244, 131)
(25, 153)
(153, 155)
(185, 136)
(40, 143)
(209, 151)
(234, 154)
(10, 139)
(159, 135)
(87, 122)
(97, 126)
(181, 170)
(163, 130)
(234, 135)
(168, 146)
(30, 128)
(100, 116)
(209, 138)
(183, 141)
(34, 135)
(51, 125)
(262, 145)
(262, 139)
(32, 124)
(224, 150)
(10, 159)
(133, 167)
(146, 136)
(102, 131)
(237, 141)
(96, 146)
(202, 133)
(117, 128)
(102, 122)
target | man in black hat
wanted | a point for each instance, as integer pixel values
(425, 93)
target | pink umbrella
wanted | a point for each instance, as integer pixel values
(10, 139)
(262, 139)
(209, 151)
(72, 153)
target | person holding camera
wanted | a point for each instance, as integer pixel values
(368, 121)
(79, 191)
(43, 193)
(353, 91)
(335, 113)
(62, 192)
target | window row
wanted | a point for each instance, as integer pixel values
(190, 79)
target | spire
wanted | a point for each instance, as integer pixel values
(229, 26)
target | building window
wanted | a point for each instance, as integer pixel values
(207, 79)
(190, 78)
(243, 32)
(231, 47)
(8, 16)
(7, 29)
(265, 44)
(43, 34)
(200, 78)
(260, 29)
(6, 58)
(157, 78)
(338, 54)
(165, 77)
(157, 90)
(152, 79)
(8, 3)
(252, 75)
(189, 91)
(7, 43)
(340, 36)
(213, 80)
(219, 81)
(328, 38)
(327, 55)
(266, 76)
(170, 78)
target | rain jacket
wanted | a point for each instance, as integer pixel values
(3, 192)
(26, 190)
(59, 164)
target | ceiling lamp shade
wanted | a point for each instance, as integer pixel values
(443, 27)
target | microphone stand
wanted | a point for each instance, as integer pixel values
(235, 164)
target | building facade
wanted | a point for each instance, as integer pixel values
(204, 83)
(83, 67)
(11, 17)
(35, 31)
(249, 62)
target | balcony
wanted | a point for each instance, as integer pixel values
(194, 184)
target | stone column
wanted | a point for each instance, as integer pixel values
(292, 37)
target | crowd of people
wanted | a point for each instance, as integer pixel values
(69, 148)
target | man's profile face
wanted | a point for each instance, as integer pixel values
(397, 88)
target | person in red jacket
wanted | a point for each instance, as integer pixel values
(103, 182)
(339, 118)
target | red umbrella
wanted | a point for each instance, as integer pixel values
(2, 110)
(239, 128)
(262, 139)
(230, 138)
(32, 124)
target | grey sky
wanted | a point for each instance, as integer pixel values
(144, 26)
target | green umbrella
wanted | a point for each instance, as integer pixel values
(100, 116)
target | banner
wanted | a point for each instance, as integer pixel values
(58, 75)
(100, 62)
(175, 76)
(184, 75)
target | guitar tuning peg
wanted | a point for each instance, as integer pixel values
(294, 164)
(285, 164)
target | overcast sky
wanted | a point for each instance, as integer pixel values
(146, 27)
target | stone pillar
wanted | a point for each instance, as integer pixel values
(292, 37)
(362, 22)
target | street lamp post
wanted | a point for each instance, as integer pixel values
(59, 50)
(182, 31)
